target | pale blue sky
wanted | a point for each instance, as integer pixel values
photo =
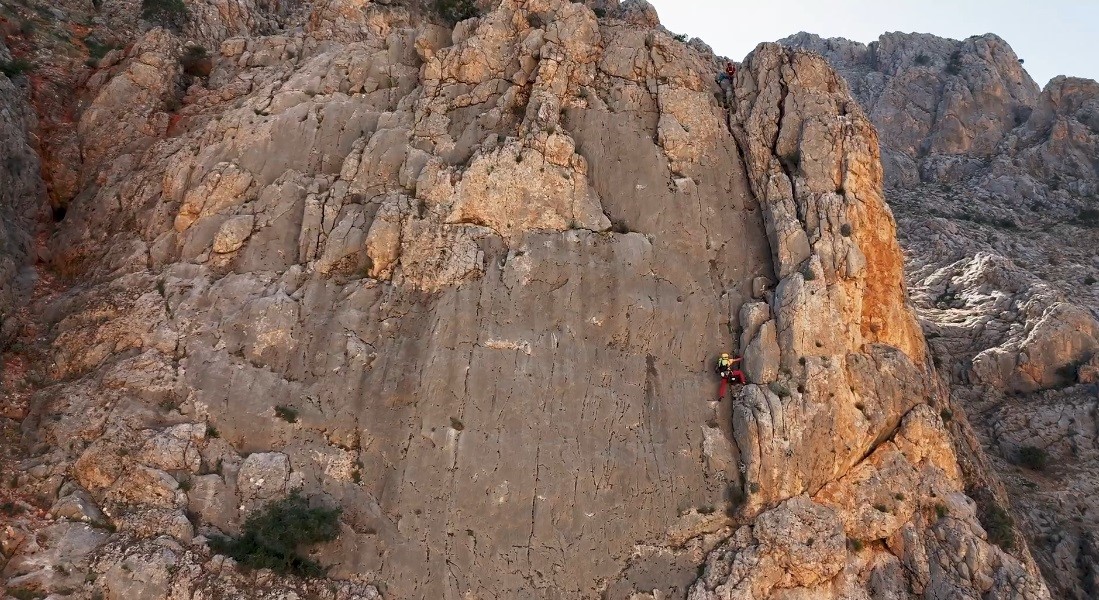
(1054, 37)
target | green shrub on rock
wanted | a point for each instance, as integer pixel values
(1033, 458)
(454, 11)
(1088, 217)
(15, 67)
(196, 62)
(999, 525)
(271, 536)
(167, 13)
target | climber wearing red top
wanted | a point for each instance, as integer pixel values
(730, 72)
(726, 369)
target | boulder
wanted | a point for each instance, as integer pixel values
(263, 477)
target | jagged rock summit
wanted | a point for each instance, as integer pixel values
(465, 282)
(941, 104)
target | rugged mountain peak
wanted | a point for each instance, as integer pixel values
(934, 99)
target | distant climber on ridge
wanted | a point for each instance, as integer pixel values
(730, 72)
(725, 80)
(728, 372)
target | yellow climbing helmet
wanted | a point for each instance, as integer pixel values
(724, 355)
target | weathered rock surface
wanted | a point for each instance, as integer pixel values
(937, 101)
(1016, 342)
(21, 193)
(473, 418)
(997, 204)
(848, 452)
(466, 283)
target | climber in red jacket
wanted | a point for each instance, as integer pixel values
(729, 373)
(730, 72)
(727, 84)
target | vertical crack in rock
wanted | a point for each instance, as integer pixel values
(784, 162)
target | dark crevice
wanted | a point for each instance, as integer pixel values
(755, 195)
(784, 162)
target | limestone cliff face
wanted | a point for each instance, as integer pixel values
(1031, 170)
(487, 269)
(1000, 242)
(806, 155)
(845, 438)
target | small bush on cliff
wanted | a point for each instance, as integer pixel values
(780, 389)
(923, 59)
(26, 594)
(196, 62)
(1088, 216)
(736, 496)
(1033, 458)
(996, 522)
(286, 414)
(271, 536)
(455, 11)
(14, 67)
(166, 13)
(999, 525)
(954, 67)
(97, 49)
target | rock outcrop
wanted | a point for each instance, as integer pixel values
(845, 442)
(466, 283)
(1000, 238)
(421, 243)
(941, 104)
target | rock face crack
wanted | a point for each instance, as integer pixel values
(784, 161)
